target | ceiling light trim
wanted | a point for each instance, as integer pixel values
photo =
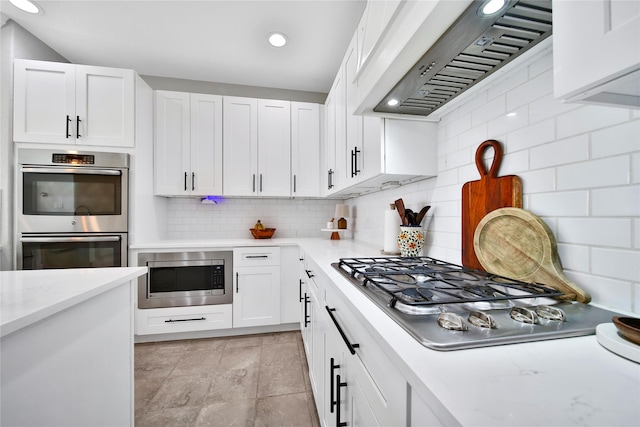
(277, 39)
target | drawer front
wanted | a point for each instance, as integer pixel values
(256, 256)
(183, 319)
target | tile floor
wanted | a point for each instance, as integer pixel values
(252, 380)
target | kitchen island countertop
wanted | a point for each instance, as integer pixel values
(29, 296)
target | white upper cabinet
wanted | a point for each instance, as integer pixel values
(305, 149)
(374, 20)
(73, 104)
(596, 51)
(188, 144)
(257, 147)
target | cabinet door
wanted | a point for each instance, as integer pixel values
(240, 146)
(305, 149)
(172, 144)
(256, 301)
(600, 47)
(341, 166)
(105, 106)
(206, 144)
(317, 370)
(274, 148)
(44, 102)
(353, 123)
(330, 144)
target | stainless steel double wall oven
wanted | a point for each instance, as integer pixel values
(71, 209)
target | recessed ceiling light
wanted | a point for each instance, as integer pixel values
(392, 102)
(277, 39)
(491, 7)
(25, 5)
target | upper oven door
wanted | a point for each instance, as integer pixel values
(72, 199)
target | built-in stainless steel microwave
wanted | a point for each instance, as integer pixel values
(179, 279)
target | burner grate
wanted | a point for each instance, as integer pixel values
(424, 281)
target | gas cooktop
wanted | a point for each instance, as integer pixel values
(449, 307)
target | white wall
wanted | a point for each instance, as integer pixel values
(187, 218)
(580, 168)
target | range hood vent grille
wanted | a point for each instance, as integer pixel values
(472, 49)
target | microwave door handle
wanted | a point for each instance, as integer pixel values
(80, 170)
(69, 239)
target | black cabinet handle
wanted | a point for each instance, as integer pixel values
(330, 179)
(184, 320)
(351, 347)
(68, 120)
(338, 387)
(333, 367)
(309, 275)
(261, 183)
(300, 288)
(354, 162)
(185, 181)
(306, 313)
(254, 183)
(78, 126)
(236, 283)
(193, 181)
(294, 183)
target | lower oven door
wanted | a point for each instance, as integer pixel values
(50, 251)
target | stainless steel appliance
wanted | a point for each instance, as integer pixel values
(178, 279)
(449, 307)
(71, 209)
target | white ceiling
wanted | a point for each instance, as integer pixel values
(207, 40)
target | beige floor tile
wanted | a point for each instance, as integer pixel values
(155, 361)
(288, 410)
(173, 417)
(243, 341)
(281, 337)
(199, 361)
(313, 412)
(279, 381)
(206, 344)
(239, 358)
(145, 390)
(179, 391)
(280, 355)
(237, 384)
(240, 413)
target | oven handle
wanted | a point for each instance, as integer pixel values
(70, 239)
(79, 170)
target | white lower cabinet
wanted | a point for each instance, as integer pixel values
(353, 381)
(182, 319)
(256, 287)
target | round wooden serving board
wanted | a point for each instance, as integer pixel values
(515, 243)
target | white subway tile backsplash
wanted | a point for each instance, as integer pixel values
(561, 203)
(531, 136)
(562, 152)
(611, 293)
(589, 118)
(574, 257)
(596, 173)
(535, 88)
(616, 263)
(493, 108)
(473, 137)
(506, 82)
(508, 121)
(636, 233)
(615, 202)
(595, 231)
(538, 181)
(547, 107)
(624, 138)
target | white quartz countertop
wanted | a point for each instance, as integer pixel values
(561, 382)
(29, 296)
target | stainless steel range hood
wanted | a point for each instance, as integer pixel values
(473, 48)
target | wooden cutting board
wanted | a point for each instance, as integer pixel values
(515, 243)
(486, 195)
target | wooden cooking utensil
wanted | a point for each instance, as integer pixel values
(400, 207)
(486, 195)
(516, 243)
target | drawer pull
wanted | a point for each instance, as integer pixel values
(352, 347)
(307, 300)
(333, 367)
(256, 256)
(338, 398)
(185, 320)
(309, 273)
